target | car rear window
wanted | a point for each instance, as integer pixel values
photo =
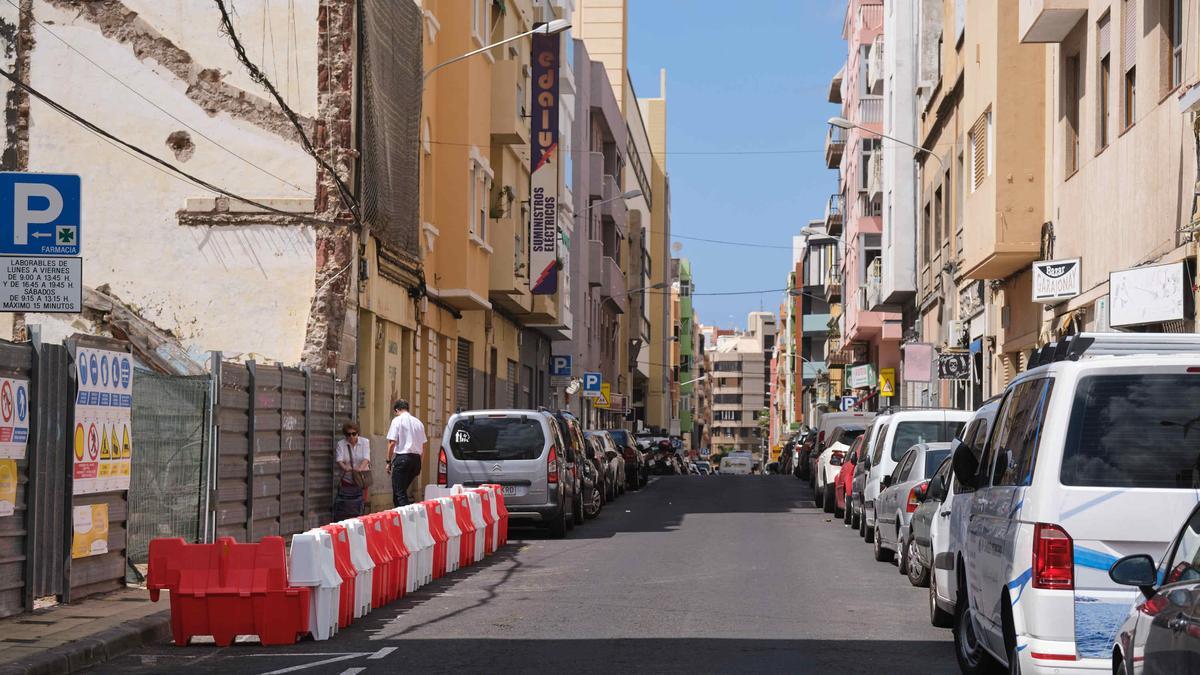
(934, 459)
(1134, 431)
(620, 436)
(847, 436)
(909, 434)
(491, 438)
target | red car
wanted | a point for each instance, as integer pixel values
(845, 479)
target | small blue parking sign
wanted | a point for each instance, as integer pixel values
(848, 403)
(560, 366)
(591, 384)
(40, 214)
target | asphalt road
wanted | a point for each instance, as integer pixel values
(691, 574)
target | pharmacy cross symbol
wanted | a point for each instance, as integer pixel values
(66, 236)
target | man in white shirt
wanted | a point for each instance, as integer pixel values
(406, 444)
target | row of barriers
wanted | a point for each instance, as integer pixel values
(331, 576)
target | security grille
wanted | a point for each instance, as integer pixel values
(462, 376)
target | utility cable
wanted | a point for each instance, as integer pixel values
(78, 119)
(68, 45)
(258, 76)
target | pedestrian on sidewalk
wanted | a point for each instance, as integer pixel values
(406, 444)
(354, 460)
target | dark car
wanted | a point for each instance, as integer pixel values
(575, 458)
(803, 469)
(1162, 632)
(637, 472)
(920, 537)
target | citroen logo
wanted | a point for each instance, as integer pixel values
(497, 468)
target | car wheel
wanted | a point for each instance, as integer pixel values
(938, 616)
(855, 519)
(918, 574)
(592, 508)
(846, 512)
(972, 658)
(577, 512)
(829, 501)
(901, 554)
(881, 554)
(868, 531)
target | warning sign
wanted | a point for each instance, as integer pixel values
(14, 418)
(103, 447)
(8, 486)
(887, 381)
(605, 397)
(41, 284)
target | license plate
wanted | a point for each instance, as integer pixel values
(510, 491)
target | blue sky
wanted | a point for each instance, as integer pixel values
(747, 76)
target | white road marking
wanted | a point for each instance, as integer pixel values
(314, 664)
(382, 653)
(352, 671)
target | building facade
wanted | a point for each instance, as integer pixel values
(741, 378)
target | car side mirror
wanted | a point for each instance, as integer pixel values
(886, 482)
(922, 491)
(853, 460)
(965, 463)
(1135, 570)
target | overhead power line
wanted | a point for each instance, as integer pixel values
(769, 290)
(195, 180)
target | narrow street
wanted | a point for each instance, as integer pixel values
(692, 574)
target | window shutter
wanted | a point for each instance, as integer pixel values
(511, 384)
(1129, 33)
(462, 376)
(1103, 39)
(979, 148)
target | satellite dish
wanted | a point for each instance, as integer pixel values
(677, 247)
(573, 387)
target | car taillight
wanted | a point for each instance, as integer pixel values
(552, 466)
(442, 478)
(913, 499)
(1154, 605)
(630, 455)
(1053, 558)
(835, 458)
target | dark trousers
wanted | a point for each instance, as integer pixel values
(405, 468)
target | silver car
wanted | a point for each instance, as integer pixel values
(517, 449)
(902, 493)
(612, 464)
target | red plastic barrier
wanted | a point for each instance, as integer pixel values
(345, 569)
(489, 536)
(382, 591)
(438, 529)
(462, 514)
(501, 509)
(226, 589)
(393, 529)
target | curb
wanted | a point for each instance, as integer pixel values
(95, 649)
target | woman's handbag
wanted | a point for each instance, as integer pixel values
(361, 478)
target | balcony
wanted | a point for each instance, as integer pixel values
(595, 254)
(612, 206)
(835, 146)
(612, 284)
(1048, 20)
(870, 110)
(875, 175)
(835, 86)
(834, 216)
(595, 175)
(816, 324)
(509, 126)
(873, 286)
(875, 67)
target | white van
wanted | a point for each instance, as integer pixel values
(900, 431)
(1093, 456)
(737, 464)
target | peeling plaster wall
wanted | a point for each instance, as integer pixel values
(241, 289)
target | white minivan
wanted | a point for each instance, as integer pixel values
(1092, 456)
(900, 431)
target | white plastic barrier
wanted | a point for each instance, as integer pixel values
(438, 491)
(311, 563)
(363, 564)
(412, 542)
(495, 511)
(476, 502)
(424, 531)
(454, 534)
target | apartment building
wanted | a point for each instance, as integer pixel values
(869, 338)
(685, 335)
(740, 373)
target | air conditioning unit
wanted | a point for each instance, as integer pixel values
(956, 336)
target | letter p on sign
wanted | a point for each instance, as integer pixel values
(39, 214)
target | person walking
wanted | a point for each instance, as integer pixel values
(406, 444)
(354, 459)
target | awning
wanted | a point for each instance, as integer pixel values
(976, 345)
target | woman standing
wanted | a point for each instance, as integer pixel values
(354, 461)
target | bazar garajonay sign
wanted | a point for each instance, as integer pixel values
(543, 212)
(1056, 280)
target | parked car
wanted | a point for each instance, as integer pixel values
(845, 479)
(1161, 633)
(903, 490)
(574, 455)
(518, 450)
(827, 423)
(594, 489)
(613, 464)
(1090, 459)
(861, 470)
(918, 546)
(829, 462)
(900, 431)
(705, 468)
(636, 469)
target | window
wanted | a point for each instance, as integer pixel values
(1104, 87)
(510, 384)
(909, 434)
(479, 20)
(1184, 563)
(463, 377)
(980, 141)
(900, 473)
(938, 206)
(1134, 431)
(933, 460)
(1129, 59)
(480, 188)
(1071, 93)
(959, 173)
(1019, 427)
(868, 146)
(940, 483)
(494, 438)
(1173, 28)
(926, 235)
(877, 453)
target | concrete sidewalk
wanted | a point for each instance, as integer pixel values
(68, 638)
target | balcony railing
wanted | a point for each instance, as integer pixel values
(870, 15)
(833, 283)
(870, 110)
(869, 206)
(875, 67)
(833, 215)
(835, 146)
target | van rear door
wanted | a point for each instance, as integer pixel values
(505, 448)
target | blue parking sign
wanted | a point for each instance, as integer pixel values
(40, 214)
(591, 384)
(560, 366)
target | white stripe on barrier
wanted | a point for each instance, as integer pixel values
(311, 563)
(363, 564)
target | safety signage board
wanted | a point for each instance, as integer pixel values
(887, 381)
(591, 384)
(605, 397)
(40, 214)
(41, 284)
(103, 441)
(14, 417)
(89, 530)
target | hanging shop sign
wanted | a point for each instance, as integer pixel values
(1149, 294)
(861, 377)
(954, 365)
(1056, 280)
(543, 217)
(918, 362)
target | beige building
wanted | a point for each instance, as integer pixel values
(740, 384)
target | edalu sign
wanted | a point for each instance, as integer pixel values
(40, 216)
(1056, 280)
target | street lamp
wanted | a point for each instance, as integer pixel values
(843, 123)
(702, 377)
(551, 28)
(653, 287)
(631, 194)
